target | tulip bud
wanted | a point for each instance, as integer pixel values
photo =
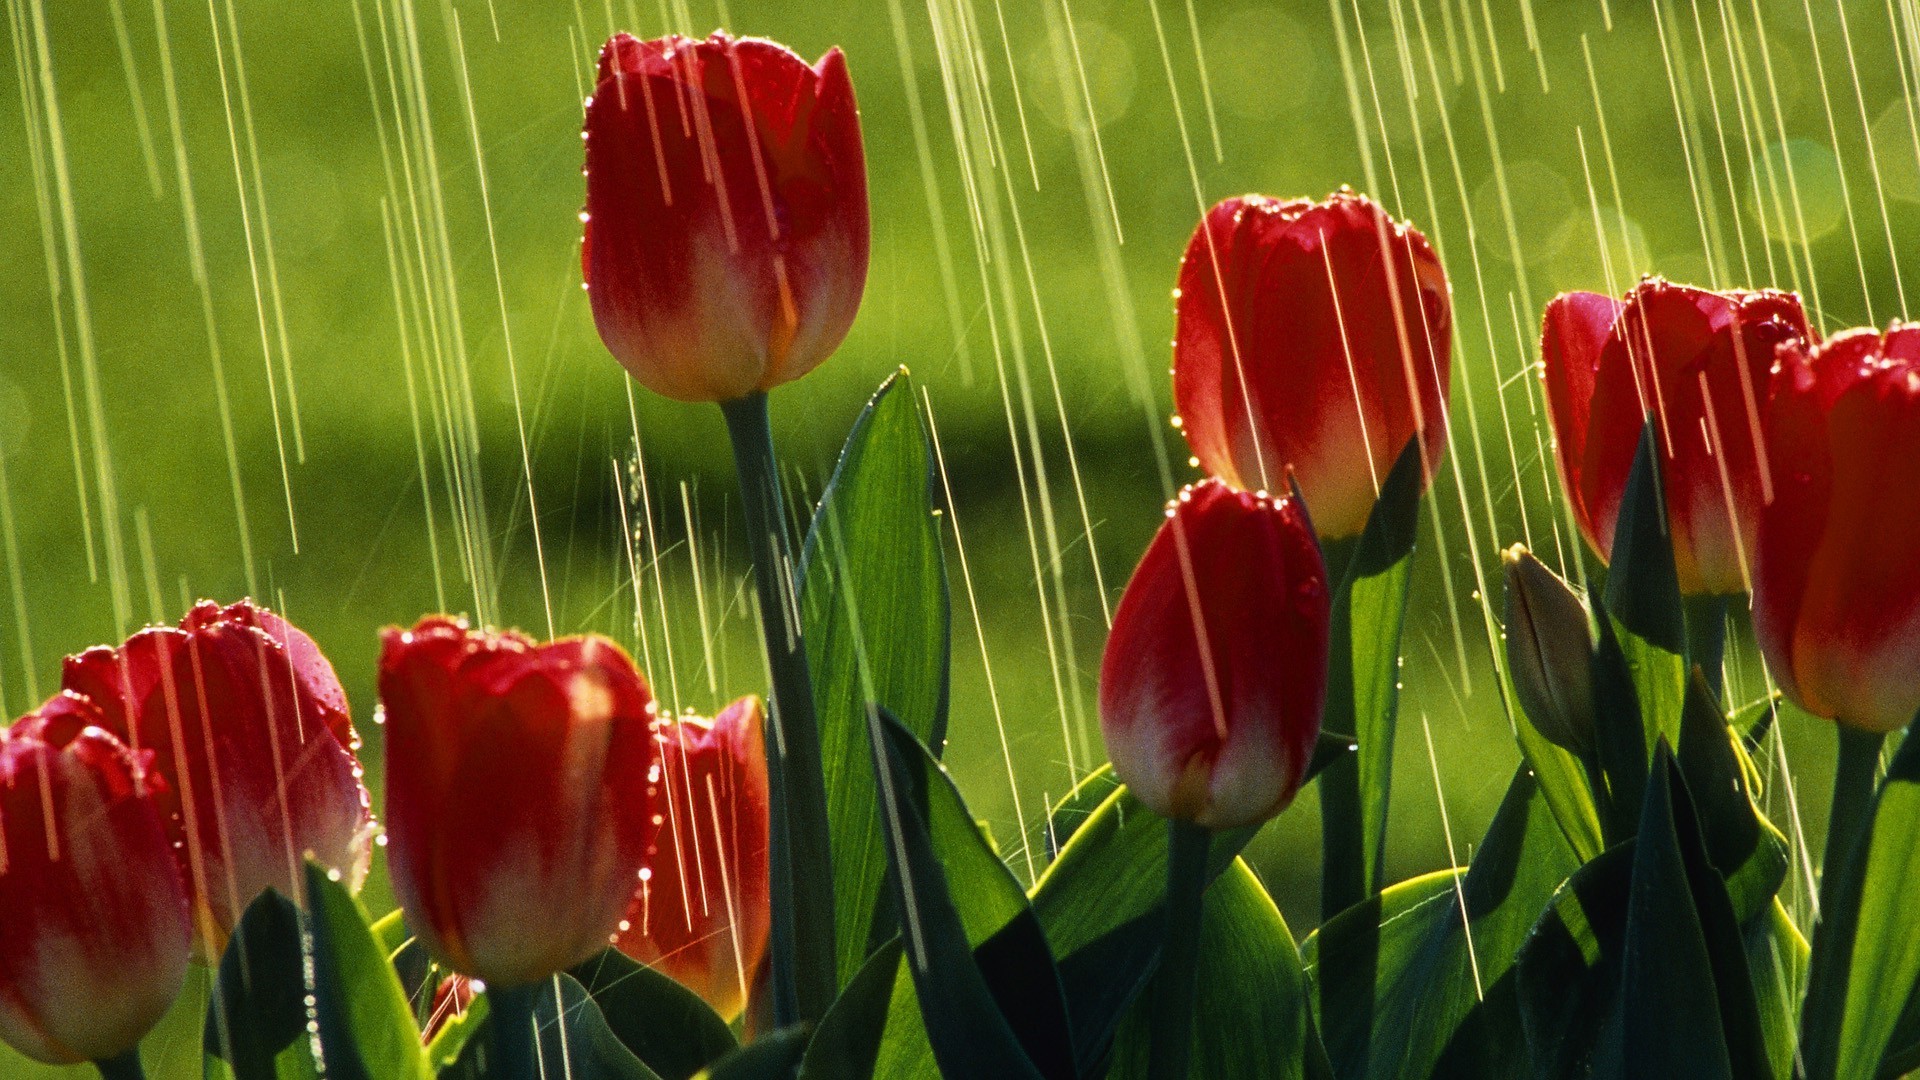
(1216, 669)
(519, 794)
(1549, 651)
(1315, 337)
(451, 1000)
(248, 726)
(1696, 363)
(726, 236)
(1836, 590)
(702, 914)
(94, 930)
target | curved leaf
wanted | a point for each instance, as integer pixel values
(257, 1015)
(573, 1040)
(772, 1056)
(1250, 1018)
(664, 1024)
(1404, 986)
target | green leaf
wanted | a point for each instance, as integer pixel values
(451, 1040)
(1103, 912)
(366, 1028)
(1363, 678)
(1570, 971)
(257, 1016)
(1563, 787)
(1749, 853)
(664, 1024)
(1643, 596)
(1404, 987)
(1866, 948)
(874, 608)
(772, 1056)
(975, 1025)
(1687, 1002)
(1076, 807)
(573, 1040)
(1250, 1015)
(846, 1045)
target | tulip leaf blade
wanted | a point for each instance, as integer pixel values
(1238, 1030)
(772, 1056)
(1747, 850)
(257, 1012)
(1372, 575)
(846, 1045)
(365, 1025)
(1105, 918)
(1404, 986)
(569, 1031)
(1866, 949)
(988, 994)
(1643, 597)
(875, 612)
(664, 1024)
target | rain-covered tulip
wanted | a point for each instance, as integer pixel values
(248, 726)
(1697, 363)
(1216, 669)
(1549, 651)
(94, 930)
(701, 913)
(1315, 337)
(1836, 591)
(519, 808)
(726, 236)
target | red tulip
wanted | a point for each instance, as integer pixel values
(1314, 337)
(702, 914)
(1214, 674)
(1696, 362)
(451, 1000)
(248, 726)
(1836, 590)
(519, 794)
(726, 224)
(94, 930)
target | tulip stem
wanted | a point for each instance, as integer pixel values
(805, 975)
(124, 1067)
(1854, 773)
(514, 1039)
(1170, 1042)
(1343, 856)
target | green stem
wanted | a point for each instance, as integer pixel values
(1706, 619)
(124, 1067)
(1854, 773)
(1343, 841)
(1170, 1042)
(805, 964)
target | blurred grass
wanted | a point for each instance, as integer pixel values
(1285, 115)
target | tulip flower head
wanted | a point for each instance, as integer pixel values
(726, 231)
(249, 729)
(1314, 337)
(1696, 363)
(519, 794)
(1216, 669)
(702, 914)
(96, 932)
(1836, 590)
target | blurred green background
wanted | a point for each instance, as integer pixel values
(283, 284)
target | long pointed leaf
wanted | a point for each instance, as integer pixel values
(874, 605)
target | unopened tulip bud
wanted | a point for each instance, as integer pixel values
(1316, 338)
(1695, 363)
(94, 931)
(248, 726)
(701, 914)
(1216, 669)
(1836, 592)
(726, 238)
(1549, 651)
(519, 810)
